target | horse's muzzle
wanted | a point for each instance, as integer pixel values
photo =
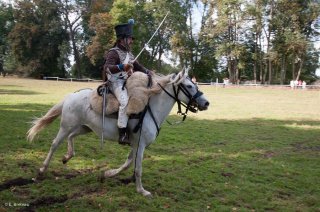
(204, 106)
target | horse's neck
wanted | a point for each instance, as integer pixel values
(162, 104)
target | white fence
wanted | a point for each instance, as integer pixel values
(261, 85)
(71, 79)
(200, 83)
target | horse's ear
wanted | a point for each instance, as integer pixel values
(186, 70)
(183, 71)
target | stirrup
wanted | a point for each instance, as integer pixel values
(123, 140)
(123, 137)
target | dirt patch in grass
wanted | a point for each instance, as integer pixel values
(303, 147)
(15, 182)
(227, 174)
(269, 154)
(44, 201)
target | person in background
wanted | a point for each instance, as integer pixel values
(194, 80)
(292, 84)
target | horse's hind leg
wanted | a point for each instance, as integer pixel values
(125, 166)
(79, 131)
(62, 134)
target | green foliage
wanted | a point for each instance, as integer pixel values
(122, 11)
(258, 39)
(101, 24)
(7, 63)
(36, 37)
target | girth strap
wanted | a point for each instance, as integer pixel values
(140, 122)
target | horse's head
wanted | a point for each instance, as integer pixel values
(188, 92)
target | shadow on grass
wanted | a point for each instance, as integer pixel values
(189, 136)
(16, 86)
(193, 154)
(18, 92)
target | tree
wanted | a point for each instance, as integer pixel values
(103, 39)
(295, 19)
(227, 30)
(240, 39)
(36, 37)
(255, 12)
(71, 13)
(6, 24)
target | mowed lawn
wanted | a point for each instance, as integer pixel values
(255, 149)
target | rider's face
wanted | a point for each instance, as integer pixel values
(127, 42)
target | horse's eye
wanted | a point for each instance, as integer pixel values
(189, 86)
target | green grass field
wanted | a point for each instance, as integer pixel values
(255, 149)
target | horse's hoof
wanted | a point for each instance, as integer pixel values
(145, 193)
(101, 177)
(39, 177)
(64, 160)
(148, 195)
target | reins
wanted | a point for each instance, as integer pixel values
(188, 106)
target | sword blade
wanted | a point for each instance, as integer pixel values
(151, 37)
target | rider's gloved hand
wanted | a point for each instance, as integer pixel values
(127, 67)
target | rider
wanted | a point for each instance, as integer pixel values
(119, 65)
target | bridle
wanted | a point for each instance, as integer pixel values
(192, 104)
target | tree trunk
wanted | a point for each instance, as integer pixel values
(293, 68)
(265, 73)
(261, 62)
(230, 70)
(192, 39)
(300, 68)
(255, 72)
(255, 60)
(236, 71)
(72, 26)
(270, 71)
(76, 53)
(283, 70)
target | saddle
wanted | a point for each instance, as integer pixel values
(138, 92)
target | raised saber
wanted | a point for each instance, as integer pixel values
(151, 37)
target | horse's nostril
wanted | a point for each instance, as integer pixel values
(207, 104)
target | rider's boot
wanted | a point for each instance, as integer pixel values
(123, 137)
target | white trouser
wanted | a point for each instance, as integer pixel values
(122, 96)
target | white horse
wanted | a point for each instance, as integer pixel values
(78, 118)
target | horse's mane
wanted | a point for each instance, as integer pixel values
(139, 82)
(139, 93)
(173, 78)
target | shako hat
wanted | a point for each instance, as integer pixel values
(125, 30)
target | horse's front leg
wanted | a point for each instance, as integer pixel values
(125, 166)
(138, 171)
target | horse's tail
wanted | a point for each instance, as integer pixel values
(40, 123)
